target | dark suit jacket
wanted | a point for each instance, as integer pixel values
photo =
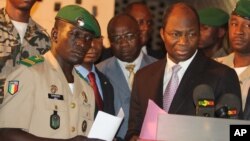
(108, 94)
(148, 84)
(246, 113)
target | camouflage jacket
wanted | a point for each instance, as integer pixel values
(36, 41)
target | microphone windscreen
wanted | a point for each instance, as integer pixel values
(203, 97)
(232, 104)
(202, 91)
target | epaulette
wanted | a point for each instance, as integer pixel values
(32, 60)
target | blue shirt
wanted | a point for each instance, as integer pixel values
(84, 73)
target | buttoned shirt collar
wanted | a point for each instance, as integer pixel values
(137, 63)
(168, 69)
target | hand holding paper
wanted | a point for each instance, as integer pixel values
(105, 125)
(149, 126)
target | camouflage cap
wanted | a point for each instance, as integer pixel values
(242, 9)
(79, 17)
(213, 16)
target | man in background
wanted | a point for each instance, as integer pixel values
(104, 92)
(123, 34)
(239, 59)
(213, 32)
(144, 18)
(20, 37)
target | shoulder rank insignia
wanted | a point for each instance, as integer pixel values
(32, 60)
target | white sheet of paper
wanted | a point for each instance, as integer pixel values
(105, 125)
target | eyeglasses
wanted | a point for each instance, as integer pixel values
(127, 37)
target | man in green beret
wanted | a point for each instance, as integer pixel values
(239, 38)
(45, 98)
(213, 29)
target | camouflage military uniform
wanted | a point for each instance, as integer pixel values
(35, 42)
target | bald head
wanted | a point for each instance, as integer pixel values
(120, 20)
(181, 10)
(123, 34)
(141, 12)
(180, 32)
(134, 7)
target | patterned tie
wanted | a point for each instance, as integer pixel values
(171, 88)
(93, 84)
(130, 68)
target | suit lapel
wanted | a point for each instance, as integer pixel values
(118, 80)
(156, 78)
(186, 86)
(244, 75)
(124, 85)
(104, 83)
(246, 113)
(144, 61)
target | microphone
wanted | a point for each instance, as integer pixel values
(228, 106)
(203, 97)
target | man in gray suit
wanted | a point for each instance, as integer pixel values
(123, 33)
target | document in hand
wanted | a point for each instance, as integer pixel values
(105, 125)
(149, 126)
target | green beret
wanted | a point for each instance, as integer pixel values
(242, 9)
(80, 18)
(213, 16)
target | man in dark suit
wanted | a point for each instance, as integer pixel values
(105, 88)
(180, 33)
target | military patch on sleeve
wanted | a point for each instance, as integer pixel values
(32, 60)
(13, 87)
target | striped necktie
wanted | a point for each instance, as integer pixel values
(171, 88)
(130, 68)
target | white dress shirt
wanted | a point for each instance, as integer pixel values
(168, 69)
